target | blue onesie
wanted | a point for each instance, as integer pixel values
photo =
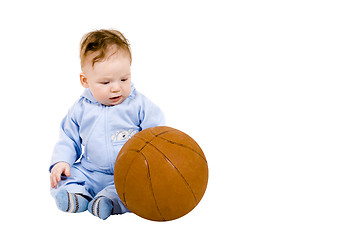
(91, 137)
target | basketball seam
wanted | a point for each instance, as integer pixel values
(151, 187)
(182, 176)
(170, 130)
(155, 135)
(125, 178)
(146, 141)
(179, 144)
(182, 145)
(150, 182)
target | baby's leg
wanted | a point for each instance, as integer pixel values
(101, 207)
(71, 194)
(71, 202)
(107, 202)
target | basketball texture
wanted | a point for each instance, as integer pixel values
(161, 174)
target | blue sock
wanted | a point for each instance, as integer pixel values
(101, 207)
(71, 202)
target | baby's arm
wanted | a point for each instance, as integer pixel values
(68, 148)
(58, 169)
(150, 115)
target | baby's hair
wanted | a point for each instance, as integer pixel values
(100, 41)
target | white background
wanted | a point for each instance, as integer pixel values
(269, 89)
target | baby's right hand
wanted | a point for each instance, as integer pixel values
(57, 170)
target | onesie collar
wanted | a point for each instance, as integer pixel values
(88, 95)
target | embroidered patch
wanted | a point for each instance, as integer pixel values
(121, 135)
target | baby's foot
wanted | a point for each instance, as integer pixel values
(101, 207)
(71, 202)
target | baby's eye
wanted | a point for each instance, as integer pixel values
(123, 80)
(104, 83)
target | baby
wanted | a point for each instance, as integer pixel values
(107, 114)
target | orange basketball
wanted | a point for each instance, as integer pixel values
(161, 174)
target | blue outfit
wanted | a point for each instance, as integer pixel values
(91, 137)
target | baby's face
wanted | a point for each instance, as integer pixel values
(109, 80)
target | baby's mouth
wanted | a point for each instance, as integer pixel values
(115, 98)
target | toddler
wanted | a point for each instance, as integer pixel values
(107, 114)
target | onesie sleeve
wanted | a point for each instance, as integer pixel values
(68, 147)
(150, 115)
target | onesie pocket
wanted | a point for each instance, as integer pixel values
(119, 137)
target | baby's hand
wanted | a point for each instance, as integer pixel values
(57, 170)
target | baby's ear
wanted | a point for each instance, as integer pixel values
(84, 80)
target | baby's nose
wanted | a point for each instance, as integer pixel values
(115, 87)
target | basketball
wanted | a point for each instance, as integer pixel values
(161, 174)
